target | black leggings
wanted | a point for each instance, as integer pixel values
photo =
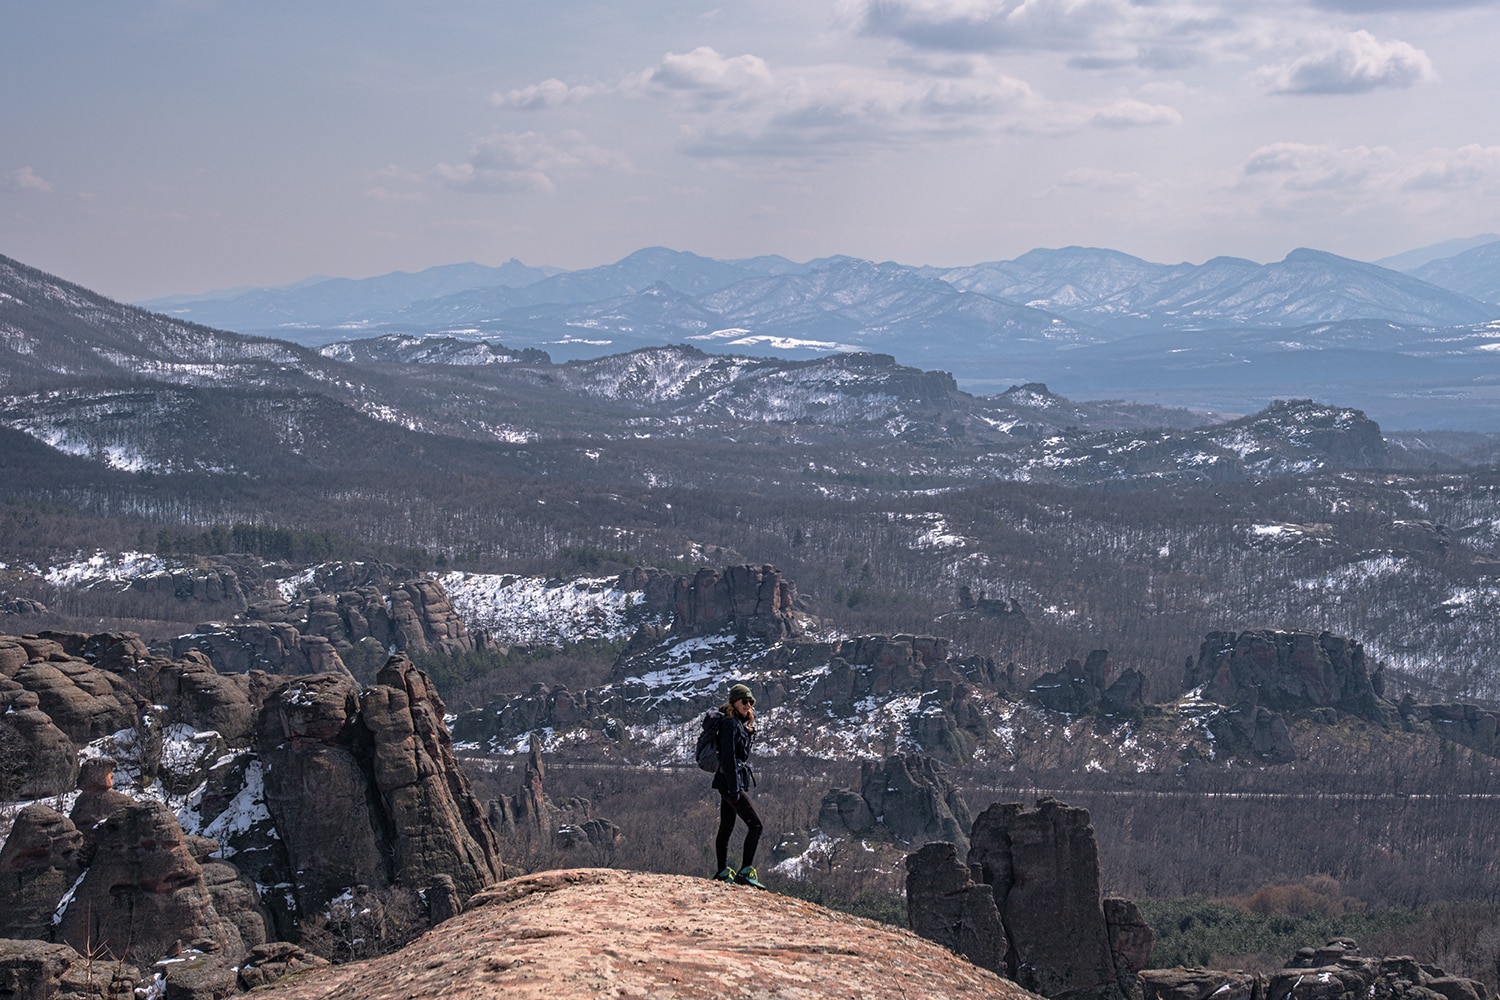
(728, 810)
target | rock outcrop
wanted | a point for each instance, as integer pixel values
(1253, 732)
(439, 827)
(38, 865)
(589, 932)
(747, 600)
(1289, 672)
(909, 797)
(144, 895)
(1041, 868)
(1086, 689)
(945, 904)
(364, 788)
(1335, 970)
(37, 970)
(347, 612)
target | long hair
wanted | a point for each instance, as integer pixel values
(728, 709)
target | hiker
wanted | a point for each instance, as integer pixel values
(734, 779)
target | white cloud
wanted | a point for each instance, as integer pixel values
(990, 25)
(1128, 113)
(1350, 64)
(1469, 168)
(703, 72)
(524, 161)
(550, 93)
(25, 179)
(1299, 167)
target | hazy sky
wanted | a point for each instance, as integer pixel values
(160, 146)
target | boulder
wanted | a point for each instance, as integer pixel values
(945, 904)
(270, 961)
(37, 970)
(1130, 937)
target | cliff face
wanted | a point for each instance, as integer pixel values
(601, 932)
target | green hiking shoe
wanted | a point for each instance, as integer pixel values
(746, 876)
(727, 875)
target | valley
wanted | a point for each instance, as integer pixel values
(1039, 593)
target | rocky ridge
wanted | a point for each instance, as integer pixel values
(591, 932)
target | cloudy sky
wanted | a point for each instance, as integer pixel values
(166, 146)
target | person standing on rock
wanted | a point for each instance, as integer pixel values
(734, 780)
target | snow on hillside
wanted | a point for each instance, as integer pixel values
(534, 609)
(86, 571)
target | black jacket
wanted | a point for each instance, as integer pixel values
(734, 775)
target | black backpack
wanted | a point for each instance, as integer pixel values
(707, 751)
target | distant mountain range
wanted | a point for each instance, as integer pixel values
(773, 305)
(1415, 344)
(129, 391)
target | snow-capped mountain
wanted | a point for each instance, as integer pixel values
(659, 295)
(1475, 272)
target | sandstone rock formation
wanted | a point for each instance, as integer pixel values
(1085, 688)
(144, 894)
(1043, 867)
(1335, 970)
(36, 758)
(1289, 671)
(945, 904)
(911, 797)
(97, 799)
(347, 609)
(438, 824)
(364, 788)
(37, 970)
(1253, 731)
(747, 600)
(38, 864)
(593, 932)
(528, 814)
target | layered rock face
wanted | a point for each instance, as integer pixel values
(749, 600)
(346, 609)
(909, 796)
(1041, 869)
(1085, 688)
(1287, 671)
(364, 788)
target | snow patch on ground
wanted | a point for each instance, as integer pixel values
(534, 609)
(102, 566)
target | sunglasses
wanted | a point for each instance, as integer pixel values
(747, 701)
